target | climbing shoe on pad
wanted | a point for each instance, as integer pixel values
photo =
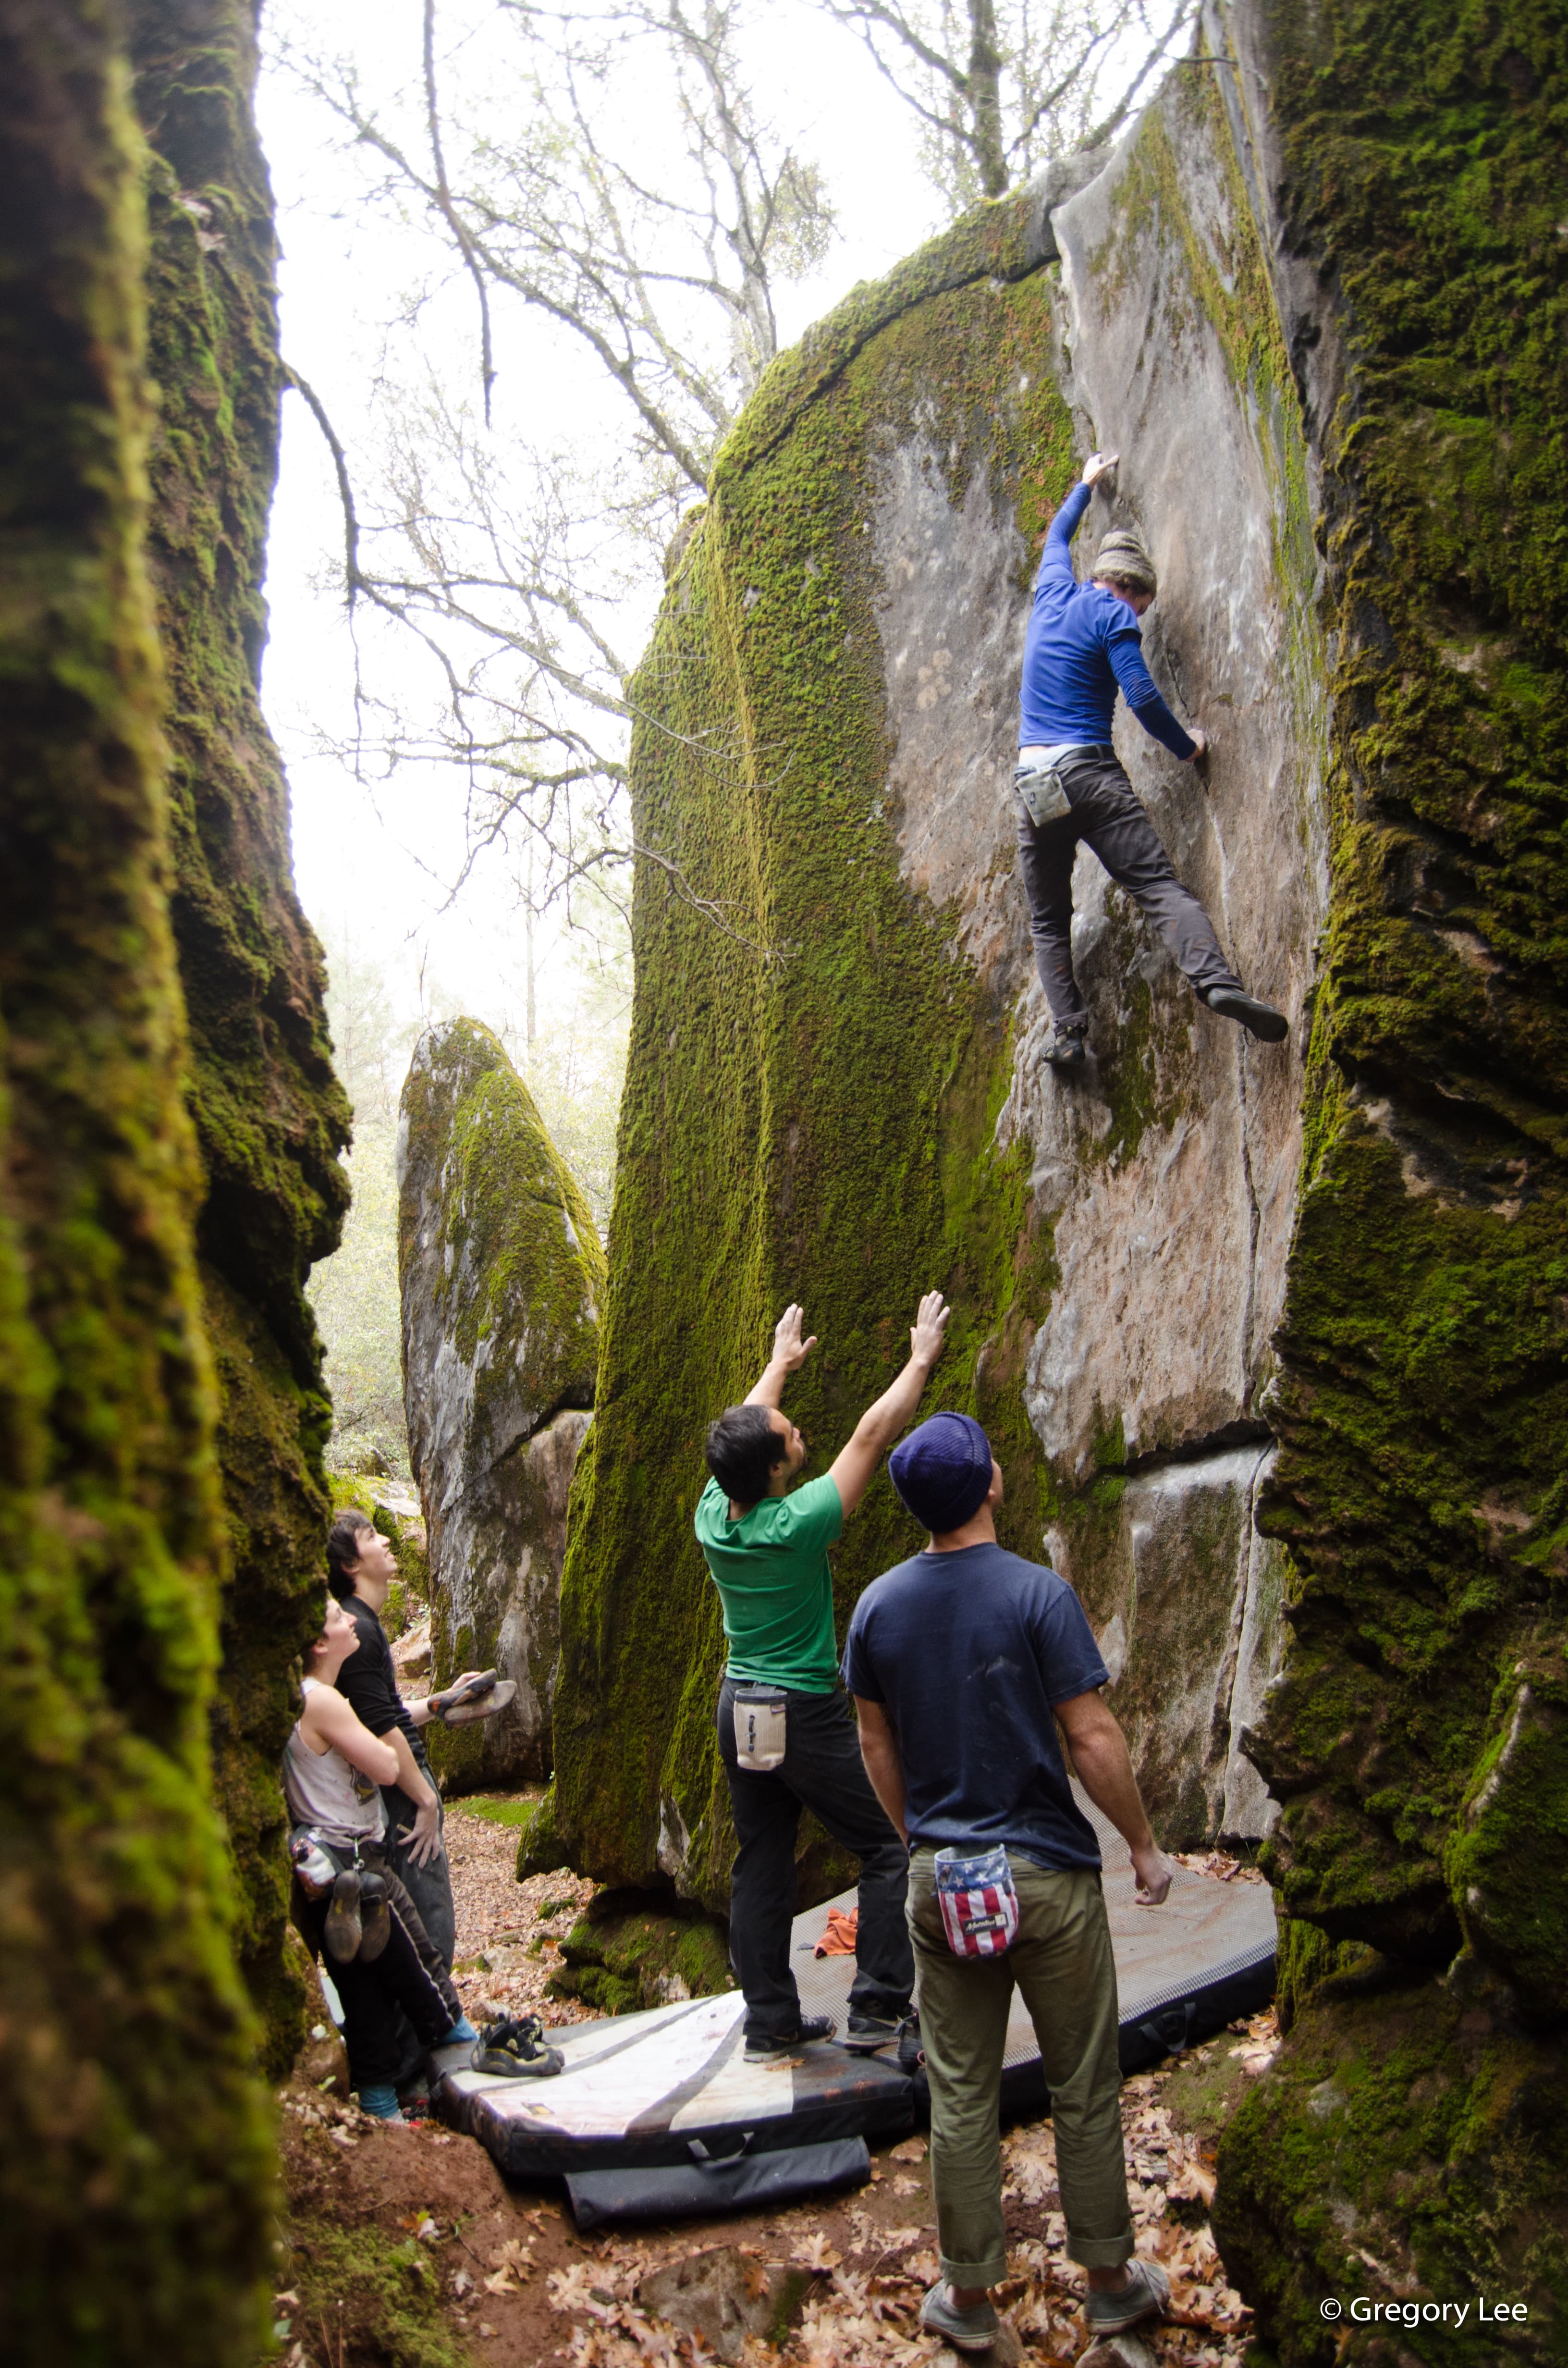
(1258, 1018)
(775, 2047)
(341, 1932)
(1146, 2294)
(375, 1917)
(516, 2049)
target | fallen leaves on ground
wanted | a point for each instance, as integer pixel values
(1261, 2045)
(507, 1948)
(1218, 1863)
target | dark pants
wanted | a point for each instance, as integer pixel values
(407, 1984)
(430, 1885)
(1107, 816)
(821, 1770)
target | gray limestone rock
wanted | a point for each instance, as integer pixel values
(1167, 1169)
(502, 1274)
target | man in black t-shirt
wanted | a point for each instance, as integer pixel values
(963, 1662)
(360, 1567)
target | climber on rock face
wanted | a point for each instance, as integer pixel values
(1084, 646)
(785, 1733)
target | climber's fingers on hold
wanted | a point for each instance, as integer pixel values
(1100, 464)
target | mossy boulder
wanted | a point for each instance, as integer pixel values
(270, 1118)
(135, 2175)
(624, 1955)
(501, 1276)
(838, 1098)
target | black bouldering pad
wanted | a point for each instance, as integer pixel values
(742, 2181)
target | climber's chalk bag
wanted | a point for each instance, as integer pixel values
(1044, 797)
(759, 1727)
(979, 1902)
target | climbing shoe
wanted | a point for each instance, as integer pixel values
(516, 2049)
(1258, 1018)
(482, 1697)
(868, 2031)
(1065, 1048)
(341, 1932)
(911, 2055)
(973, 2328)
(1146, 2294)
(375, 1917)
(778, 2047)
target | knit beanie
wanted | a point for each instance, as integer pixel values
(943, 1471)
(1122, 554)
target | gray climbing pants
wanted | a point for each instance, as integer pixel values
(1107, 816)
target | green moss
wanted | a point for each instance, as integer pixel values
(498, 1812)
(1417, 1733)
(134, 2179)
(1405, 2142)
(383, 2296)
(1424, 1408)
(623, 1961)
(270, 1115)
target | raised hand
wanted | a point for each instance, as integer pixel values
(1098, 465)
(929, 1329)
(789, 1352)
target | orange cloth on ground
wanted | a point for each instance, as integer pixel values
(838, 1938)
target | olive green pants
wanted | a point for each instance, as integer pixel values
(1062, 1962)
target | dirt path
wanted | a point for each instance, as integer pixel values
(409, 2250)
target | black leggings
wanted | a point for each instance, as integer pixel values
(821, 1770)
(407, 1980)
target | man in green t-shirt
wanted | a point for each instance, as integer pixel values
(785, 1733)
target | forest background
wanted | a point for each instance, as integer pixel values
(534, 263)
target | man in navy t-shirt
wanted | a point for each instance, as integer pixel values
(1082, 648)
(963, 1662)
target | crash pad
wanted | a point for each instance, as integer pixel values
(671, 2085)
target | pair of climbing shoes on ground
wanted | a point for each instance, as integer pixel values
(359, 1920)
(516, 2048)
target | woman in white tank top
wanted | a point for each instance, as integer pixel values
(333, 1765)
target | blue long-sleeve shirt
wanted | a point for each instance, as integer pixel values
(1082, 644)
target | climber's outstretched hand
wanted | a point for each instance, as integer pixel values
(1098, 465)
(1200, 749)
(789, 1352)
(880, 1424)
(929, 1329)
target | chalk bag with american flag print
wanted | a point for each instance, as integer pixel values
(979, 1902)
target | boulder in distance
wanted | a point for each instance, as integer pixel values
(501, 1276)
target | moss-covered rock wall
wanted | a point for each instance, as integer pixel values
(270, 1115)
(1408, 2143)
(501, 1274)
(836, 1096)
(134, 2168)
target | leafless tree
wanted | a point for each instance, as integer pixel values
(659, 267)
(998, 85)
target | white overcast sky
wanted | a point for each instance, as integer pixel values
(371, 865)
